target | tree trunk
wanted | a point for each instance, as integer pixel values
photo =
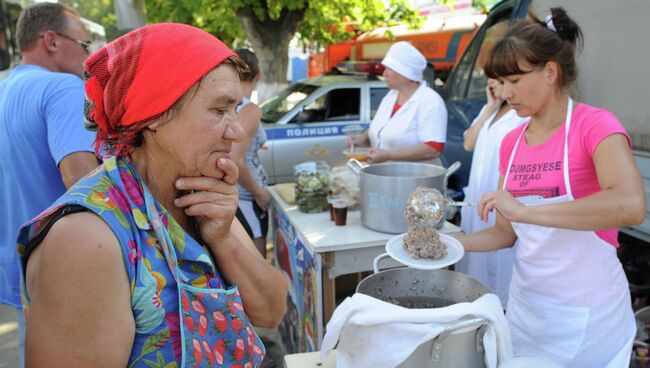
(270, 40)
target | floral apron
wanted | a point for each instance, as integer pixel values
(214, 327)
(190, 305)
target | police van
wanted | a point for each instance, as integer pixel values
(307, 121)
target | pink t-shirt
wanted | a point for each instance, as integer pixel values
(538, 170)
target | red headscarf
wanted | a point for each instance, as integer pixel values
(136, 78)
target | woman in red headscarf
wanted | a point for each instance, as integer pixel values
(141, 263)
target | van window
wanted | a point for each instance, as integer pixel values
(492, 36)
(340, 104)
(376, 95)
(275, 108)
(470, 80)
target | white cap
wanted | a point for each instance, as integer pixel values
(406, 60)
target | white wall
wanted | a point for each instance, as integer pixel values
(614, 67)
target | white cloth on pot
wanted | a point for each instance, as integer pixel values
(374, 333)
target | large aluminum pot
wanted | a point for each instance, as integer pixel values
(460, 344)
(385, 188)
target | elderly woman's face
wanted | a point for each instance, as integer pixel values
(205, 127)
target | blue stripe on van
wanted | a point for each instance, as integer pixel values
(307, 131)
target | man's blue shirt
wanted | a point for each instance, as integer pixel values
(41, 122)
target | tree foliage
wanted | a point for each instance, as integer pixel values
(216, 17)
(269, 25)
(324, 21)
(99, 11)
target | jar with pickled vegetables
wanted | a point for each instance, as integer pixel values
(312, 186)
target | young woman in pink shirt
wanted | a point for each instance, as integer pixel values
(569, 298)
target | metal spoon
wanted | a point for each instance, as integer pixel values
(352, 131)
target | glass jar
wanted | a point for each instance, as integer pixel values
(312, 186)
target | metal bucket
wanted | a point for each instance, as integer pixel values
(385, 188)
(458, 345)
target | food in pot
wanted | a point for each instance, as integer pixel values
(424, 242)
(419, 302)
(425, 207)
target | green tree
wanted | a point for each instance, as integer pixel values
(269, 25)
(483, 5)
(99, 11)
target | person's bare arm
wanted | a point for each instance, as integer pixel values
(418, 152)
(471, 134)
(249, 118)
(75, 166)
(621, 201)
(500, 235)
(262, 287)
(80, 313)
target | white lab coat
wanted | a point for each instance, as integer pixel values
(494, 269)
(422, 118)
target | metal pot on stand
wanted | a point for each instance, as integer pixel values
(461, 343)
(385, 187)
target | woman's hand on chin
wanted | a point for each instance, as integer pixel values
(212, 201)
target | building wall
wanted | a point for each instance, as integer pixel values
(613, 67)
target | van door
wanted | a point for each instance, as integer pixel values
(464, 92)
(315, 132)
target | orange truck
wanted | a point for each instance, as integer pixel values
(441, 40)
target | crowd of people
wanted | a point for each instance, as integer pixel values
(138, 219)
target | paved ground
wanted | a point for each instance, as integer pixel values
(8, 337)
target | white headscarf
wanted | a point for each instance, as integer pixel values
(406, 60)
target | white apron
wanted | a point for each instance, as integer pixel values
(569, 298)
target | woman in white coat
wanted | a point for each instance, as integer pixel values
(569, 298)
(484, 136)
(411, 121)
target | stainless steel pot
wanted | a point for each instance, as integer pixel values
(385, 188)
(460, 344)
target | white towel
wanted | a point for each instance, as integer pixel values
(373, 333)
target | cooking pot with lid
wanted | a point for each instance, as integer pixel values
(385, 187)
(461, 343)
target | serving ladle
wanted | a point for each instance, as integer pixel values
(427, 206)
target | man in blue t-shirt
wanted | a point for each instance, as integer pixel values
(44, 147)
